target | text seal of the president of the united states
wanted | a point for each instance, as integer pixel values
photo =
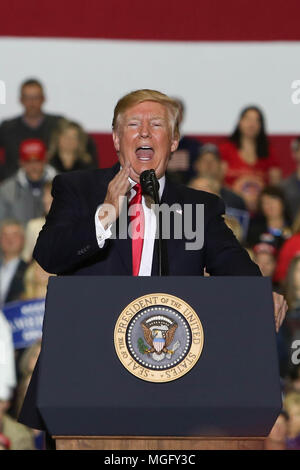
(158, 337)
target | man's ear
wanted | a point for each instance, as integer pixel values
(116, 140)
(174, 145)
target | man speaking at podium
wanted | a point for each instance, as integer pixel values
(77, 238)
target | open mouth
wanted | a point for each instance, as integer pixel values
(144, 153)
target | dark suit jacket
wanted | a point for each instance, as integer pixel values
(67, 243)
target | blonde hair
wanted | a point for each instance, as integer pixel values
(292, 398)
(35, 282)
(139, 96)
(235, 226)
(62, 126)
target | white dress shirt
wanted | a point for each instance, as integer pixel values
(149, 233)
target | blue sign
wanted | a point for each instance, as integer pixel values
(26, 320)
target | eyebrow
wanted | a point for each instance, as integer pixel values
(152, 118)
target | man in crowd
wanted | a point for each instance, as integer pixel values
(86, 208)
(34, 123)
(21, 195)
(209, 165)
(210, 169)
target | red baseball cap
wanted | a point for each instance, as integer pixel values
(32, 149)
(264, 248)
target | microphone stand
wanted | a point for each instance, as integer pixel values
(150, 186)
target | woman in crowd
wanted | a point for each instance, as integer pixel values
(290, 330)
(250, 161)
(288, 251)
(292, 289)
(272, 222)
(67, 148)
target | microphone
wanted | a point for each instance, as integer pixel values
(150, 184)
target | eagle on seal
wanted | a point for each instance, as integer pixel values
(159, 333)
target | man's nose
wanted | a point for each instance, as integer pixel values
(145, 130)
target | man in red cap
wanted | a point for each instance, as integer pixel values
(21, 194)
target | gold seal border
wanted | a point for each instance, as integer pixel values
(133, 309)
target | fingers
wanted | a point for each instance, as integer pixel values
(280, 309)
(119, 185)
(282, 313)
(277, 309)
(117, 188)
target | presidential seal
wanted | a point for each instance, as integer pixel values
(158, 337)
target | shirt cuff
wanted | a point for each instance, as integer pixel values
(101, 233)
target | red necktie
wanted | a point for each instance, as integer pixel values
(137, 224)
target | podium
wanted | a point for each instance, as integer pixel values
(229, 399)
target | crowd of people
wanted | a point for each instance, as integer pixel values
(262, 210)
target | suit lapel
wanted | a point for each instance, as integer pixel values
(170, 196)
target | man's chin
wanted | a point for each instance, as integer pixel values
(135, 173)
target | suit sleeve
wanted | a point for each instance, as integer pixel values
(68, 237)
(224, 255)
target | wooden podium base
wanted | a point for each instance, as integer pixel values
(157, 443)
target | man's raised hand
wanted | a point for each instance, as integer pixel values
(118, 187)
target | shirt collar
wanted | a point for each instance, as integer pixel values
(39, 122)
(162, 182)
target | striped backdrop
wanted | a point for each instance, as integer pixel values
(217, 56)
